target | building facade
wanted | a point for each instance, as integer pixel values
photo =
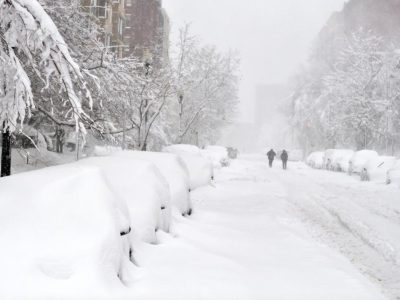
(138, 28)
(147, 30)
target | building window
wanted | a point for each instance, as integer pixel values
(99, 8)
(128, 3)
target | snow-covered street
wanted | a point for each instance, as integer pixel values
(262, 233)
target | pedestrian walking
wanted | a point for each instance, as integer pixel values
(284, 158)
(271, 156)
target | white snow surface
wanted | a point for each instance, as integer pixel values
(263, 233)
(175, 172)
(256, 233)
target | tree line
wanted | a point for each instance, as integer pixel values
(55, 72)
(349, 94)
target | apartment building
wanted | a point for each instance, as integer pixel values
(147, 30)
(137, 28)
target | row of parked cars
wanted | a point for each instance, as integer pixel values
(92, 216)
(368, 164)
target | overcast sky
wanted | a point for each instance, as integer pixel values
(273, 37)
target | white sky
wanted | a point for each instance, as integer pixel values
(273, 37)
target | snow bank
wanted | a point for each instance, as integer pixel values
(200, 169)
(393, 175)
(376, 168)
(174, 171)
(359, 159)
(145, 192)
(316, 160)
(60, 231)
(218, 155)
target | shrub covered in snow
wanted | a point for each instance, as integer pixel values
(359, 159)
(376, 168)
(174, 171)
(200, 168)
(60, 229)
(316, 160)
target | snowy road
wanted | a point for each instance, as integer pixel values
(269, 234)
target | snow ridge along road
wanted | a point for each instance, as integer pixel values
(261, 233)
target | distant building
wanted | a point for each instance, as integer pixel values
(269, 101)
(137, 28)
(147, 30)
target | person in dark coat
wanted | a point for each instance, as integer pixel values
(284, 158)
(271, 156)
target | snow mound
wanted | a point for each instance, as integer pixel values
(174, 171)
(376, 168)
(144, 191)
(359, 159)
(316, 160)
(200, 169)
(218, 156)
(60, 231)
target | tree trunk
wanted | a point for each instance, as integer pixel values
(6, 153)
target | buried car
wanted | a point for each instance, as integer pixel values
(376, 168)
(359, 159)
(316, 160)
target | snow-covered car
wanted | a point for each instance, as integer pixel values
(218, 155)
(61, 224)
(376, 168)
(141, 187)
(201, 170)
(393, 174)
(316, 159)
(333, 156)
(341, 159)
(359, 159)
(174, 171)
